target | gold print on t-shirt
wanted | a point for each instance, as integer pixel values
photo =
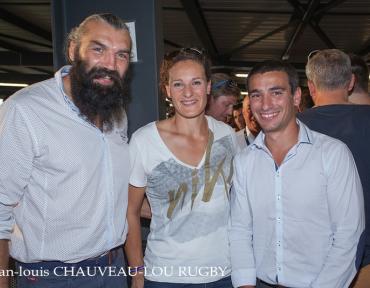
(174, 199)
(209, 183)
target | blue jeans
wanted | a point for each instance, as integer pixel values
(99, 272)
(222, 283)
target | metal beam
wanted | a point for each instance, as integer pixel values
(195, 14)
(26, 58)
(245, 65)
(26, 3)
(314, 22)
(277, 30)
(26, 40)
(24, 24)
(23, 78)
(10, 46)
(42, 70)
(242, 11)
(328, 6)
(300, 27)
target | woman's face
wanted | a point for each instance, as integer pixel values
(188, 88)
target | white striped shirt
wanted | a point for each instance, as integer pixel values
(63, 183)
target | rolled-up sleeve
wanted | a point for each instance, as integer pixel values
(240, 229)
(16, 158)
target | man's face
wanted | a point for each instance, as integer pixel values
(103, 47)
(250, 122)
(100, 63)
(221, 107)
(238, 118)
(272, 102)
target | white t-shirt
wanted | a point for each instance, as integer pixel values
(188, 241)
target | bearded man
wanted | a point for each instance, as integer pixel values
(64, 159)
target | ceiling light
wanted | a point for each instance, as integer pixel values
(244, 93)
(13, 84)
(241, 75)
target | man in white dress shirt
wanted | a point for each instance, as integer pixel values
(297, 209)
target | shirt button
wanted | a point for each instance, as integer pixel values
(278, 197)
(278, 219)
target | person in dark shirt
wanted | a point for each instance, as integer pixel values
(330, 80)
(360, 93)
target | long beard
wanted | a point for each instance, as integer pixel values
(97, 102)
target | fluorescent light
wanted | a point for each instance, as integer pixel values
(13, 84)
(244, 93)
(241, 75)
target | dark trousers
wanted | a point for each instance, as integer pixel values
(222, 283)
(99, 272)
(261, 284)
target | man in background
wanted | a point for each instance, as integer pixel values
(330, 81)
(247, 135)
(360, 93)
(238, 116)
(224, 95)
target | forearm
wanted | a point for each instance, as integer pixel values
(133, 246)
(133, 250)
(4, 263)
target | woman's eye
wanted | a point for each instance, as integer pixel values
(177, 85)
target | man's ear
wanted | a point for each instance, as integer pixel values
(71, 51)
(312, 89)
(297, 97)
(352, 82)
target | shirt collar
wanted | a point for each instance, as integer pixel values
(304, 136)
(62, 72)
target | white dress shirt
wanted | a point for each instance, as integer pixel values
(63, 183)
(297, 225)
(244, 137)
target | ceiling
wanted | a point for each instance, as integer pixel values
(236, 33)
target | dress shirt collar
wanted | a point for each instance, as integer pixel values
(304, 136)
(62, 72)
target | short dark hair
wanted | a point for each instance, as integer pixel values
(78, 31)
(277, 65)
(183, 54)
(361, 72)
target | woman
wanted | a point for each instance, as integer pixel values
(184, 166)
